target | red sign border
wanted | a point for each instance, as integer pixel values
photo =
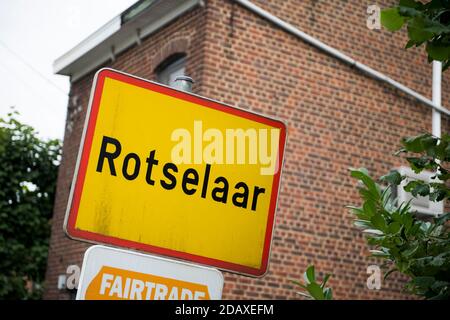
(83, 157)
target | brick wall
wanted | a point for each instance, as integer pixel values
(186, 34)
(337, 118)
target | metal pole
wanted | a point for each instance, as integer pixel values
(183, 83)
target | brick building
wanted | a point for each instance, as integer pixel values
(338, 117)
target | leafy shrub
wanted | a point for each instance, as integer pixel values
(28, 173)
(419, 249)
(313, 289)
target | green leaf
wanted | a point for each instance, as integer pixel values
(438, 52)
(411, 251)
(436, 28)
(394, 227)
(325, 280)
(411, 185)
(418, 164)
(440, 285)
(393, 177)
(418, 188)
(379, 253)
(417, 31)
(442, 219)
(328, 293)
(367, 195)
(429, 141)
(407, 221)
(315, 291)
(446, 65)
(304, 294)
(425, 226)
(374, 232)
(438, 195)
(359, 212)
(399, 151)
(363, 224)
(408, 45)
(391, 19)
(298, 283)
(439, 260)
(363, 175)
(387, 274)
(414, 143)
(409, 4)
(369, 208)
(422, 190)
(423, 281)
(310, 275)
(378, 222)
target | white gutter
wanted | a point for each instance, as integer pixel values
(341, 56)
(436, 116)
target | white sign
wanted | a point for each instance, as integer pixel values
(114, 274)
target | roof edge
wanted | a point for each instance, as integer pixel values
(119, 34)
(87, 44)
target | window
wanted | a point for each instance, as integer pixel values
(170, 69)
(422, 205)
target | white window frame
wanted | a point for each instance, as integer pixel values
(433, 208)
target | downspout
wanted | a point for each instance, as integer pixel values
(436, 116)
(437, 108)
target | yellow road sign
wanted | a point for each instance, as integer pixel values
(176, 174)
